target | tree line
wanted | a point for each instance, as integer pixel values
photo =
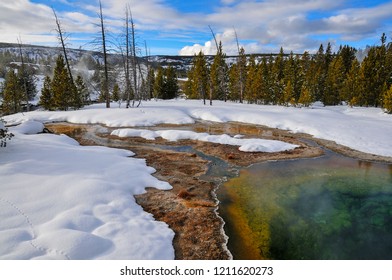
(297, 79)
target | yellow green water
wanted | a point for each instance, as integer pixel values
(327, 208)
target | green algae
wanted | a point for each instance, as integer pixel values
(327, 208)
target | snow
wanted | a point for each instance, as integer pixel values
(60, 200)
(367, 130)
(246, 145)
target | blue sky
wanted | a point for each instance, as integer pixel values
(174, 27)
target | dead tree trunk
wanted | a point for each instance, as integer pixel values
(134, 61)
(60, 35)
(241, 82)
(23, 75)
(106, 77)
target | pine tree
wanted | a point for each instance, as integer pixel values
(233, 83)
(306, 97)
(250, 95)
(116, 93)
(278, 78)
(63, 90)
(13, 94)
(265, 82)
(387, 100)
(170, 90)
(27, 82)
(159, 84)
(288, 94)
(219, 76)
(46, 99)
(334, 82)
(190, 83)
(293, 75)
(199, 88)
(150, 83)
(352, 86)
(318, 74)
(83, 96)
(348, 56)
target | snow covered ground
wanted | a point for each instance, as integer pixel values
(245, 145)
(59, 200)
(365, 129)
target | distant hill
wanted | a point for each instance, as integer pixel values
(46, 56)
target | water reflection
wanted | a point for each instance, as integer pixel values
(327, 208)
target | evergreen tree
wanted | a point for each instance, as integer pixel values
(278, 78)
(334, 82)
(13, 94)
(292, 75)
(62, 88)
(266, 82)
(288, 94)
(219, 76)
(234, 94)
(306, 97)
(200, 78)
(27, 82)
(250, 94)
(318, 73)
(83, 96)
(387, 100)
(116, 93)
(150, 83)
(347, 54)
(352, 86)
(46, 99)
(170, 88)
(159, 84)
(189, 86)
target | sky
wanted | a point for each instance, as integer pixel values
(180, 27)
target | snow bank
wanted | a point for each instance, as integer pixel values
(365, 129)
(59, 200)
(246, 145)
(29, 127)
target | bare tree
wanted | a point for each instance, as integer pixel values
(105, 86)
(23, 74)
(126, 56)
(217, 50)
(62, 38)
(240, 67)
(134, 60)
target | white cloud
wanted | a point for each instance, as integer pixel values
(262, 26)
(287, 23)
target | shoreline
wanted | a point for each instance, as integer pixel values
(191, 208)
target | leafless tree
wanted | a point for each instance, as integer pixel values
(105, 86)
(23, 69)
(62, 38)
(240, 68)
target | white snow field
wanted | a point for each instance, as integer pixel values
(60, 200)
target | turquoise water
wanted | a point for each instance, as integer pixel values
(331, 207)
